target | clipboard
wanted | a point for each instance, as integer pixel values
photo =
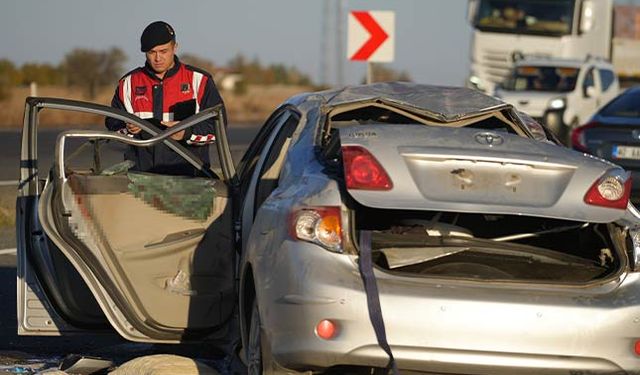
(183, 110)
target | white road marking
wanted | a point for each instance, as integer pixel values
(9, 183)
(8, 251)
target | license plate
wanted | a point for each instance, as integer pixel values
(626, 152)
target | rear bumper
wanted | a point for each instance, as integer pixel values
(445, 326)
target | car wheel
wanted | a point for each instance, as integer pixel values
(567, 137)
(254, 347)
(258, 355)
(563, 132)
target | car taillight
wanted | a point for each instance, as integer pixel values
(363, 171)
(320, 225)
(578, 138)
(611, 190)
(326, 329)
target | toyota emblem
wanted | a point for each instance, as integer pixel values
(489, 139)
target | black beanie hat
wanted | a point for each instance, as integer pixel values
(156, 33)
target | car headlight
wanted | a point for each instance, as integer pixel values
(557, 103)
(474, 82)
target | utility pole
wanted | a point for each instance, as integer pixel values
(340, 51)
(325, 51)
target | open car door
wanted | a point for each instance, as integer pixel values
(150, 254)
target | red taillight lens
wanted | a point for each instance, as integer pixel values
(578, 139)
(611, 190)
(363, 171)
(321, 225)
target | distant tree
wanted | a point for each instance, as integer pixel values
(43, 74)
(92, 69)
(238, 62)
(199, 62)
(382, 73)
(255, 72)
(112, 66)
(9, 77)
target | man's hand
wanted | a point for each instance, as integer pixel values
(179, 135)
(133, 129)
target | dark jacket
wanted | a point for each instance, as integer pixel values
(183, 91)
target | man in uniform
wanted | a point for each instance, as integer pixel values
(165, 91)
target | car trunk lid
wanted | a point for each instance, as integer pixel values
(477, 170)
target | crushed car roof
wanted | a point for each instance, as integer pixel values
(446, 104)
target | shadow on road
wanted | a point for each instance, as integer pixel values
(16, 349)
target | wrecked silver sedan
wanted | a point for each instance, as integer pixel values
(423, 229)
(401, 226)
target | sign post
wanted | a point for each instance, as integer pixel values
(371, 38)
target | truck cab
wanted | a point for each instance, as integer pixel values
(504, 31)
(560, 93)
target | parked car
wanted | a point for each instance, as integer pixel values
(613, 133)
(393, 220)
(560, 93)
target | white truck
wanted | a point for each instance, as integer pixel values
(506, 30)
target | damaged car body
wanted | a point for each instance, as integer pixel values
(491, 249)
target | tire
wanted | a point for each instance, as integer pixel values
(258, 354)
(574, 124)
(563, 133)
(254, 344)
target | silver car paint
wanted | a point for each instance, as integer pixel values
(425, 161)
(433, 324)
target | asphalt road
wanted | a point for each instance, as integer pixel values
(19, 354)
(239, 138)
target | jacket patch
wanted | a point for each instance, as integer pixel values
(185, 88)
(140, 90)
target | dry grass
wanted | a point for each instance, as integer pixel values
(7, 207)
(13, 108)
(254, 106)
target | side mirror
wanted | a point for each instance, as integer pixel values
(587, 16)
(589, 91)
(472, 11)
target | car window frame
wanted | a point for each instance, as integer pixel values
(286, 128)
(588, 72)
(251, 158)
(603, 83)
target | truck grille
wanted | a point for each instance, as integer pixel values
(498, 64)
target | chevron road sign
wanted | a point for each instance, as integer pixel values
(371, 36)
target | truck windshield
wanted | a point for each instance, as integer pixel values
(540, 17)
(542, 78)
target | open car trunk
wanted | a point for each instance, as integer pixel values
(492, 247)
(471, 199)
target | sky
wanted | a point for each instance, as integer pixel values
(432, 36)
